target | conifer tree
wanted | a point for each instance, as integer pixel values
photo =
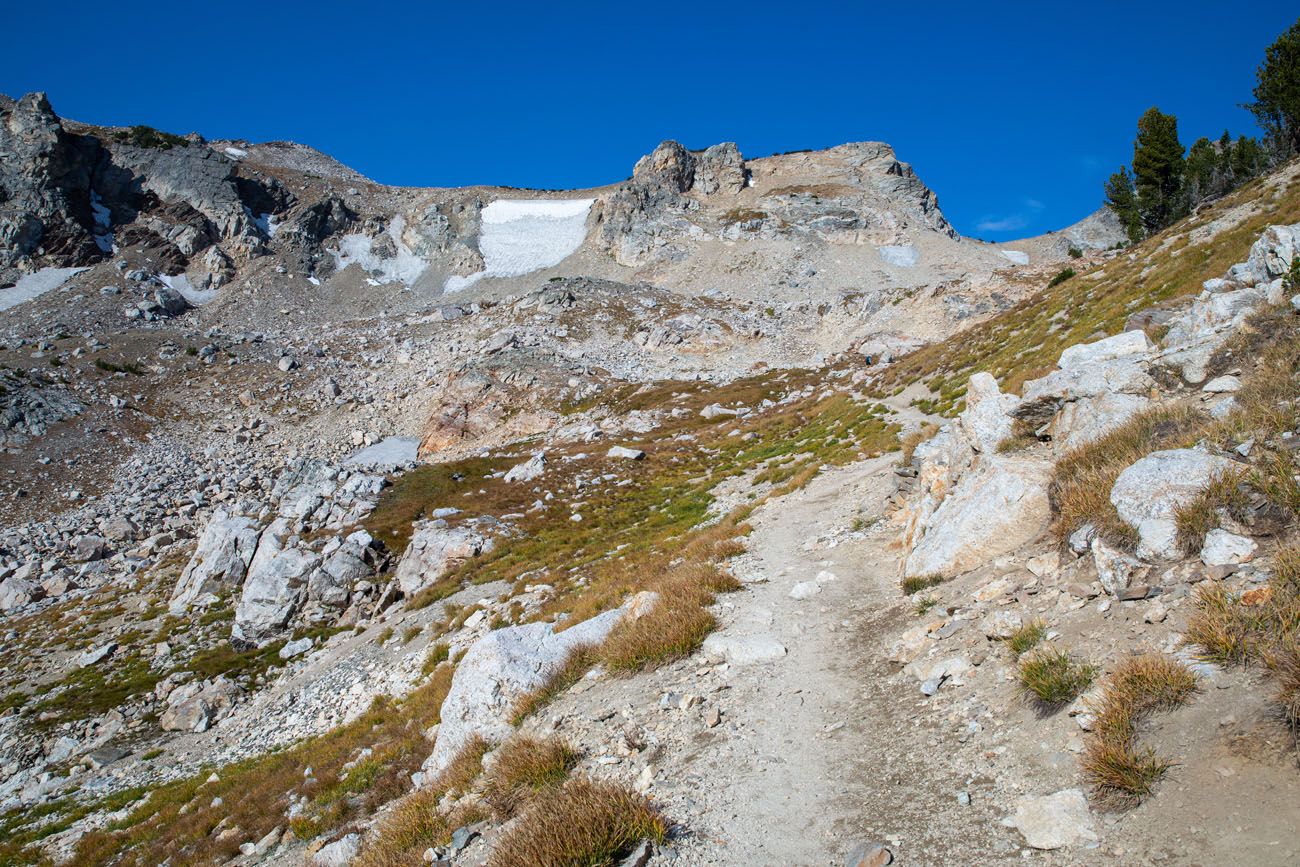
(1158, 170)
(1277, 92)
(1122, 200)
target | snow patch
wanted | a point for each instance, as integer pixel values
(1015, 256)
(236, 153)
(30, 286)
(104, 239)
(388, 453)
(902, 255)
(406, 267)
(519, 236)
(180, 283)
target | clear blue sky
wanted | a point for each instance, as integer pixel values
(1013, 112)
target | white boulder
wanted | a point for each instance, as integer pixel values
(995, 509)
(220, 560)
(436, 549)
(1149, 493)
(1222, 548)
(275, 586)
(986, 421)
(528, 470)
(499, 668)
(1055, 821)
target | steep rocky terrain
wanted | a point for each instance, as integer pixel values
(742, 512)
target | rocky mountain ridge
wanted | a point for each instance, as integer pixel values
(327, 502)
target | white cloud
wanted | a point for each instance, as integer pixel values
(1011, 222)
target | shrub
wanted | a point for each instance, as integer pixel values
(1061, 276)
(1075, 252)
(583, 823)
(147, 137)
(524, 766)
(1051, 678)
(925, 603)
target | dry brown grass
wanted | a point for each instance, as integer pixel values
(910, 441)
(1050, 678)
(577, 663)
(583, 824)
(415, 824)
(524, 766)
(1083, 478)
(1117, 769)
(1226, 630)
(1226, 494)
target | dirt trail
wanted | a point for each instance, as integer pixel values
(780, 787)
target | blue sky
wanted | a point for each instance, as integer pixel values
(1014, 113)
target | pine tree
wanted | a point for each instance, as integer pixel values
(1158, 170)
(1202, 172)
(1247, 159)
(1122, 200)
(1277, 92)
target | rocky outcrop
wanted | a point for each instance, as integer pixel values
(195, 707)
(434, 550)
(45, 184)
(1149, 493)
(219, 563)
(501, 667)
(275, 586)
(30, 404)
(996, 508)
(1196, 333)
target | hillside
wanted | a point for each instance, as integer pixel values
(741, 512)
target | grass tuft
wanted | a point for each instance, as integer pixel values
(524, 766)
(1226, 493)
(579, 661)
(582, 823)
(1117, 769)
(917, 583)
(1026, 637)
(1051, 678)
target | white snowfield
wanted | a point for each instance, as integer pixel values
(1015, 256)
(519, 236)
(406, 267)
(30, 286)
(900, 255)
(181, 284)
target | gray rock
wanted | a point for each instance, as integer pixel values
(1222, 548)
(744, 649)
(528, 470)
(625, 452)
(1149, 493)
(275, 585)
(434, 550)
(194, 707)
(220, 561)
(502, 666)
(1055, 821)
(340, 853)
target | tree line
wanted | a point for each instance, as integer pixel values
(1167, 181)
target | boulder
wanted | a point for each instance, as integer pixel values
(996, 508)
(220, 560)
(1079, 422)
(19, 589)
(1149, 493)
(1116, 571)
(434, 550)
(331, 585)
(340, 853)
(1222, 548)
(743, 649)
(1055, 821)
(625, 452)
(986, 420)
(275, 586)
(528, 470)
(1130, 345)
(499, 668)
(195, 707)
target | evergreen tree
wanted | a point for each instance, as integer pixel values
(1202, 172)
(1122, 200)
(1158, 170)
(1277, 92)
(1247, 159)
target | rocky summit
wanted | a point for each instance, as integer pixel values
(742, 512)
